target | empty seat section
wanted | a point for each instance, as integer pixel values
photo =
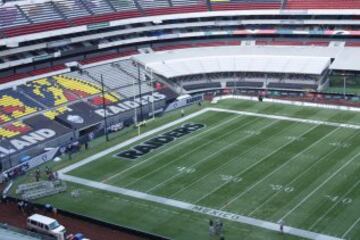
(72, 8)
(34, 28)
(4, 118)
(323, 4)
(42, 12)
(199, 86)
(188, 2)
(113, 78)
(14, 129)
(16, 105)
(98, 7)
(109, 99)
(10, 17)
(244, 84)
(51, 114)
(123, 5)
(48, 92)
(295, 86)
(77, 86)
(145, 4)
(245, 4)
(133, 90)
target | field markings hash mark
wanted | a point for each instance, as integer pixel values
(209, 157)
(334, 205)
(278, 168)
(321, 185)
(225, 164)
(185, 154)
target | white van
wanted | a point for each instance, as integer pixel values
(46, 225)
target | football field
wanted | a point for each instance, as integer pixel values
(242, 166)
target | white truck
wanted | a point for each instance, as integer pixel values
(46, 225)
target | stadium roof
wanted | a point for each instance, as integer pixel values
(285, 59)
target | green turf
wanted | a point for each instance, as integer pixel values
(263, 168)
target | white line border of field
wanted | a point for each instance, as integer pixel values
(188, 206)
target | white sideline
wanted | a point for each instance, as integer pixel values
(288, 102)
(284, 118)
(188, 206)
(199, 209)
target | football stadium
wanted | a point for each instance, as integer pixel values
(180, 119)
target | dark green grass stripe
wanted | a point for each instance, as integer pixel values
(229, 191)
(163, 158)
(110, 165)
(215, 140)
(315, 179)
(217, 159)
(318, 203)
(337, 204)
(309, 171)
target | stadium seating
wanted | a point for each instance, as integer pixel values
(98, 7)
(245, 4)
(292, 86)
(16, 105)
(47, 92)
(35, 28)
(4, 118)
(10, 17)
(14, 129)
(322, 4)
(41, 12)
(51, 114)
(36, 72)
(352, 44)
(198, 86)
(131, 91)
(292, 43)
(244, 84)
(109, 99)
(113, 77)
(79, 87)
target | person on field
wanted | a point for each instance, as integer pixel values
(281, 225)
(211, 227)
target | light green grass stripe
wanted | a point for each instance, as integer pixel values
(200, 147)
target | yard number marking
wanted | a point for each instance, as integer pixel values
(281, 188)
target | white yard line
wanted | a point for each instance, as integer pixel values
(199, 209)
(291, 182)
(351, 228)
(278, 168)
(223, 165)
(208, 157)
(176, 144)
(334, 205)
(295, 179)
(253, 165)
(321, 185)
